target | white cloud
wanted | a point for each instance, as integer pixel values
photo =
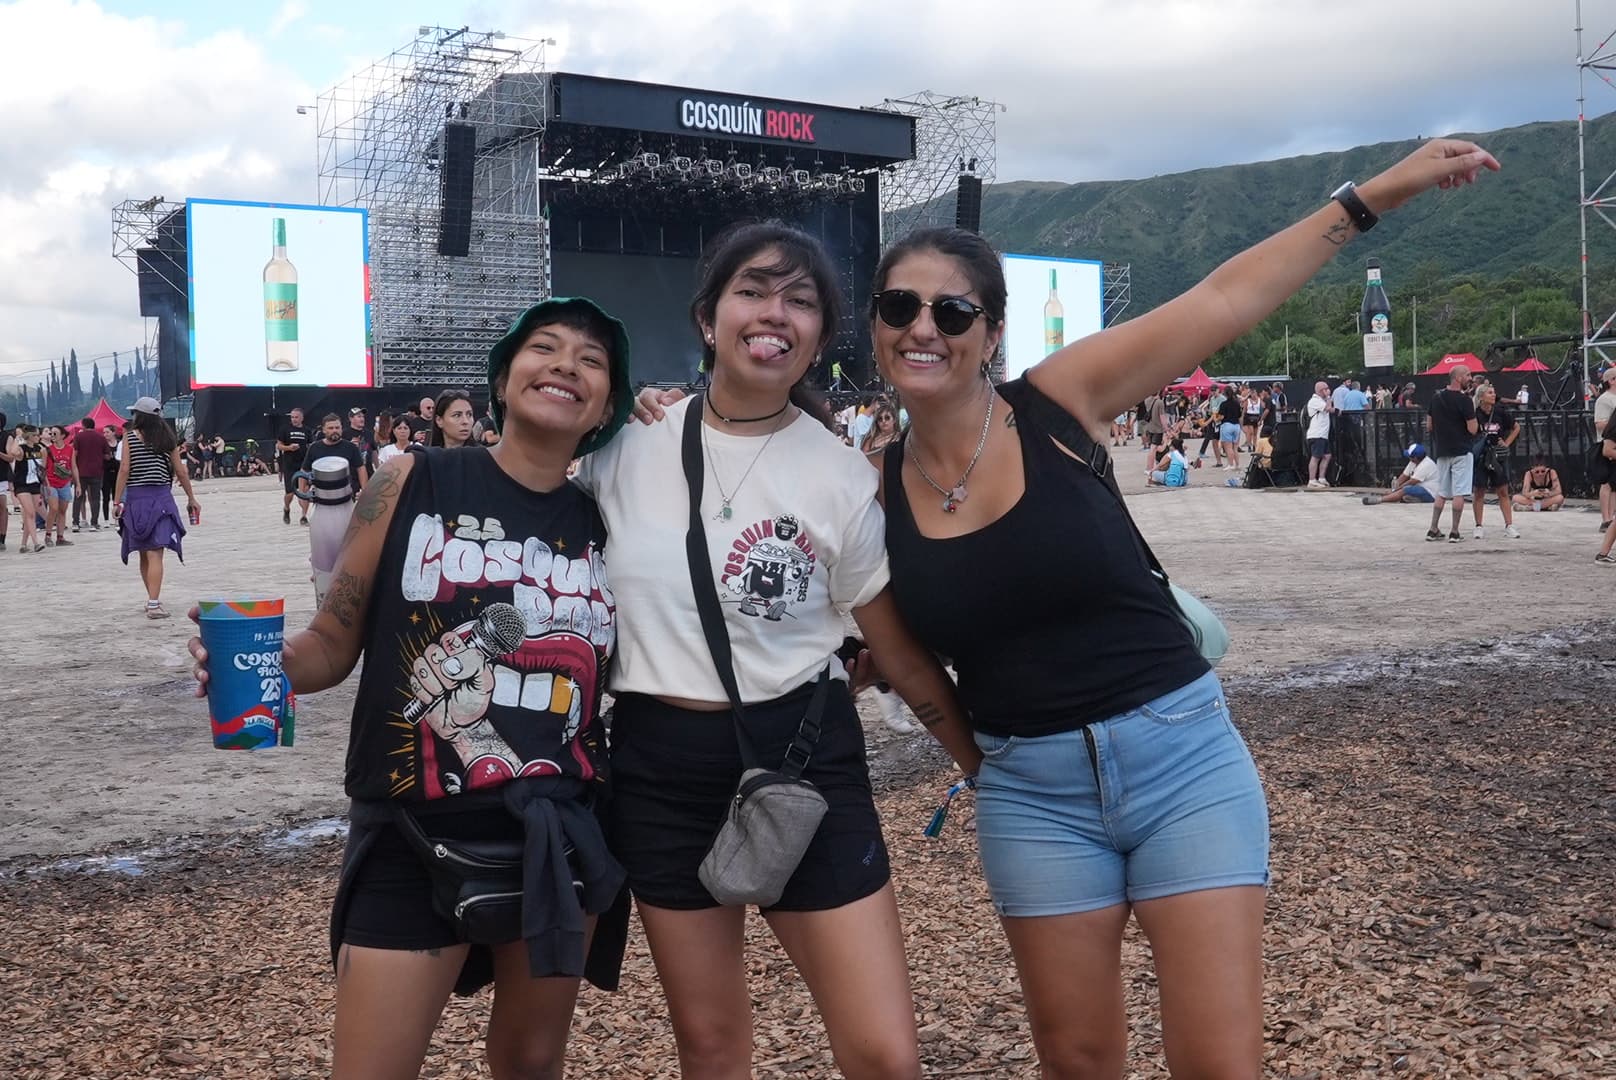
(134, 108)
(291, 11)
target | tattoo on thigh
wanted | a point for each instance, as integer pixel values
(928, 714)
(433, 953)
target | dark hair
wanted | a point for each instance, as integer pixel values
(445, 401)
(974, 254)
(1540, 461)
(88, 421)
(392, 427)
(1177, 444)
(799, 253)
(154, 433)
(328, 417)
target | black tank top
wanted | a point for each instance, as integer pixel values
(466, 537)
(1050, 614)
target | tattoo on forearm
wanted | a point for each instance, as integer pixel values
(1339, 233)
(928, 714)
(345, 600)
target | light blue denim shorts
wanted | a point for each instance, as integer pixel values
(1161, 800)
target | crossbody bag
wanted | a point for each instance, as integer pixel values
(774, 813)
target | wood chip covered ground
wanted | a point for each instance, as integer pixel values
(1443, 905)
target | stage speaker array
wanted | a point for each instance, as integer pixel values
(457, 169)
(968, 207)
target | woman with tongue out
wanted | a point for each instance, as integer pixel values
(794, 540)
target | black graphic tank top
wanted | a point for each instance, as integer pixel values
(466, 538)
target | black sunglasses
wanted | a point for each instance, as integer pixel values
(899, 308)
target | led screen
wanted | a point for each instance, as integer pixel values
(651, 294)
(1053, 302)
(279, 295)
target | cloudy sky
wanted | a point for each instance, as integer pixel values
(128, 99)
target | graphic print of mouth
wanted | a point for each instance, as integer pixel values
(552, 674)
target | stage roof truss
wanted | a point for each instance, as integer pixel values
(954, 135)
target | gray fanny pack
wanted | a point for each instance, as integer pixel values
(774, 813)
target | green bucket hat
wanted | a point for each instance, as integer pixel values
(499, 358)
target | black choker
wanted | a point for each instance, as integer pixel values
(746, 419)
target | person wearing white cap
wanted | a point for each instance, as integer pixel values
(148, 520)
(1411, 485)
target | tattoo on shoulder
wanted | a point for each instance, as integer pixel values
(928, 714)
(1339, 233)
(1010, 418)
(345, 600)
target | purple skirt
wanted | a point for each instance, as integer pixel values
(151, 521)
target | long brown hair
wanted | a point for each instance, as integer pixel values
(154, 433)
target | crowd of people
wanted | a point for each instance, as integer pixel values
(747, 494)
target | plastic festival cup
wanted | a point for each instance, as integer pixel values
(250, 701)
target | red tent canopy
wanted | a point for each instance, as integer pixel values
(1198, 383)
(103, 414)
(1446, 365)
(1531, 363)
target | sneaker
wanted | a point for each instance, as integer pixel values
(1607, 560)
(62, 541)
(48, 543)
(1371, 500)
(1511, 532)
(75, 528)
(286, 516)
(1603, 525)
(1477, 535)
(303, 521)
(1433, 535)
(1454, 537)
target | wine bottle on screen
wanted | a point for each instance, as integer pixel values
(1375, 317)
(1054, 318)
(280, 306)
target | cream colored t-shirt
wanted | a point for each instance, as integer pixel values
(804, 544)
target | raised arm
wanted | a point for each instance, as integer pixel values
(1098, 376)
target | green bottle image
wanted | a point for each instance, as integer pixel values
(280, 306)
(1054, 317)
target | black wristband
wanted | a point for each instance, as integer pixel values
(1347, 196)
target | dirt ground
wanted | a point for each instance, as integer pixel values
(1431, 720)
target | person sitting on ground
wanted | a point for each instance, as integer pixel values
(1540, 487)
(1411, 485)
(1171, 467)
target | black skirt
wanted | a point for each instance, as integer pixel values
(674, 772)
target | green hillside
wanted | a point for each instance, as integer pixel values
(1176, 228)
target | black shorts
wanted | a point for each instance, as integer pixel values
(289, 479)
(1491, 479)
(389, 903)
(674, 773)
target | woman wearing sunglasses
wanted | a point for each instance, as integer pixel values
(1117, 785)
(795, 541)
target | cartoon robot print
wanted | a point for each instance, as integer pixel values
(768, 567)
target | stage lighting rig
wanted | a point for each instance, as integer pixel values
(800, 177)
(772, 174)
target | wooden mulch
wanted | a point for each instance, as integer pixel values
(1443, 906)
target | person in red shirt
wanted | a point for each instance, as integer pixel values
(61, 480)
(89, 452)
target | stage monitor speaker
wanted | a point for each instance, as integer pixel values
(457, 169)
(968, 207)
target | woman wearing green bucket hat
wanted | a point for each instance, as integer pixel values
(795, 540)
(472, 583)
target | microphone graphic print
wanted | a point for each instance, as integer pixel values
(499, 630)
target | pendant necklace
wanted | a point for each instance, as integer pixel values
(724, 511)
(952, 497)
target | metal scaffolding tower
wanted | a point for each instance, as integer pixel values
(153, 224)
(380, 147)
(1116, 285)
(1598, 201)
(953, 135)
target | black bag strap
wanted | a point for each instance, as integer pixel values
(712, 617)
(1050, 418)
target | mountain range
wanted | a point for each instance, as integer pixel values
(1174, 229)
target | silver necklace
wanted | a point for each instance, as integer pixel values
(724, 511)
(952, 497)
